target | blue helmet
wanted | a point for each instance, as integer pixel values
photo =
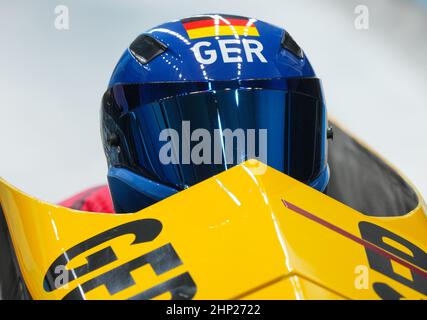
(213, 77)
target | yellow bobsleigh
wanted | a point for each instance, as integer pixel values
(237, 235)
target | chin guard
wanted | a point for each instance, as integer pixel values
(132, 192)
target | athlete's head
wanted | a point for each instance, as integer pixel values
(194, 97)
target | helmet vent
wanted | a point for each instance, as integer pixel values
(145, 48)
(289, 44)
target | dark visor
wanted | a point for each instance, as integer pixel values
(179, 138)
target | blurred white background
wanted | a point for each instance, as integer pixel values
(51, 81)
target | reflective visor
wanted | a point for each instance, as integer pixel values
(182, 133)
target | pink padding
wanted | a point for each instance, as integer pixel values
(96, 199)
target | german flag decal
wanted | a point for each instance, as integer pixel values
(219, 25)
